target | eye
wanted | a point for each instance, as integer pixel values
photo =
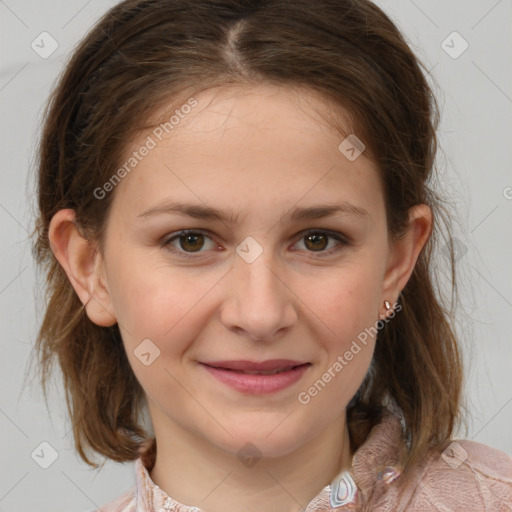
(316, 240)
(187, 242)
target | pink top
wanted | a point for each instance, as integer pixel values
(466, 476)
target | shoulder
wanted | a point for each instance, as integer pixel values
(465, 474)
(124, 503)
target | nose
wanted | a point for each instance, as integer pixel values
(259, 302)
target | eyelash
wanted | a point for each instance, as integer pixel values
(321, 254)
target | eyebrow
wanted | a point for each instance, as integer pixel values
(204, 212)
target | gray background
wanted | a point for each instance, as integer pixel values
(475, 95)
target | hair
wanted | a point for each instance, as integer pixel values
(142, 55)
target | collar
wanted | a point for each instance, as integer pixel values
(374, 467)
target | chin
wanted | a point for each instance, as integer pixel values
(268, 438)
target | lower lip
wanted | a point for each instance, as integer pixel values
(258, 384)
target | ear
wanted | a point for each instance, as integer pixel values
(405, 251)
(83, 265)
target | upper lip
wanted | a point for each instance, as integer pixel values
(270, 364)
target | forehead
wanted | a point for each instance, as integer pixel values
(258, 148)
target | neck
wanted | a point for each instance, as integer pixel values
(194, 472)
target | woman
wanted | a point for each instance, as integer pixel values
(236, 213)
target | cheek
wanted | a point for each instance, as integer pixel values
(345, 301)
(149, 299)
(348, 313)
(347, 306)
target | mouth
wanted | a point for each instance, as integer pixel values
(263, 372)
(269, 367)
(257, 377)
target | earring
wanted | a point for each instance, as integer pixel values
(387, 305)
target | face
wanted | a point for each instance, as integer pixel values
(262, 283)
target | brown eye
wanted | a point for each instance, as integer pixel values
(316, 241)
(186, 243)
(191, 242)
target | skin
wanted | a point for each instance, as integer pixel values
(260, 153)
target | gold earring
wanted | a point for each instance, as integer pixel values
(387, 305)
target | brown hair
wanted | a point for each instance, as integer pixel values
(144, 53)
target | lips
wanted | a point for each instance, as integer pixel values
(257, 378)
(269, 367)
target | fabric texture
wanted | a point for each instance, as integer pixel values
(466, 476)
